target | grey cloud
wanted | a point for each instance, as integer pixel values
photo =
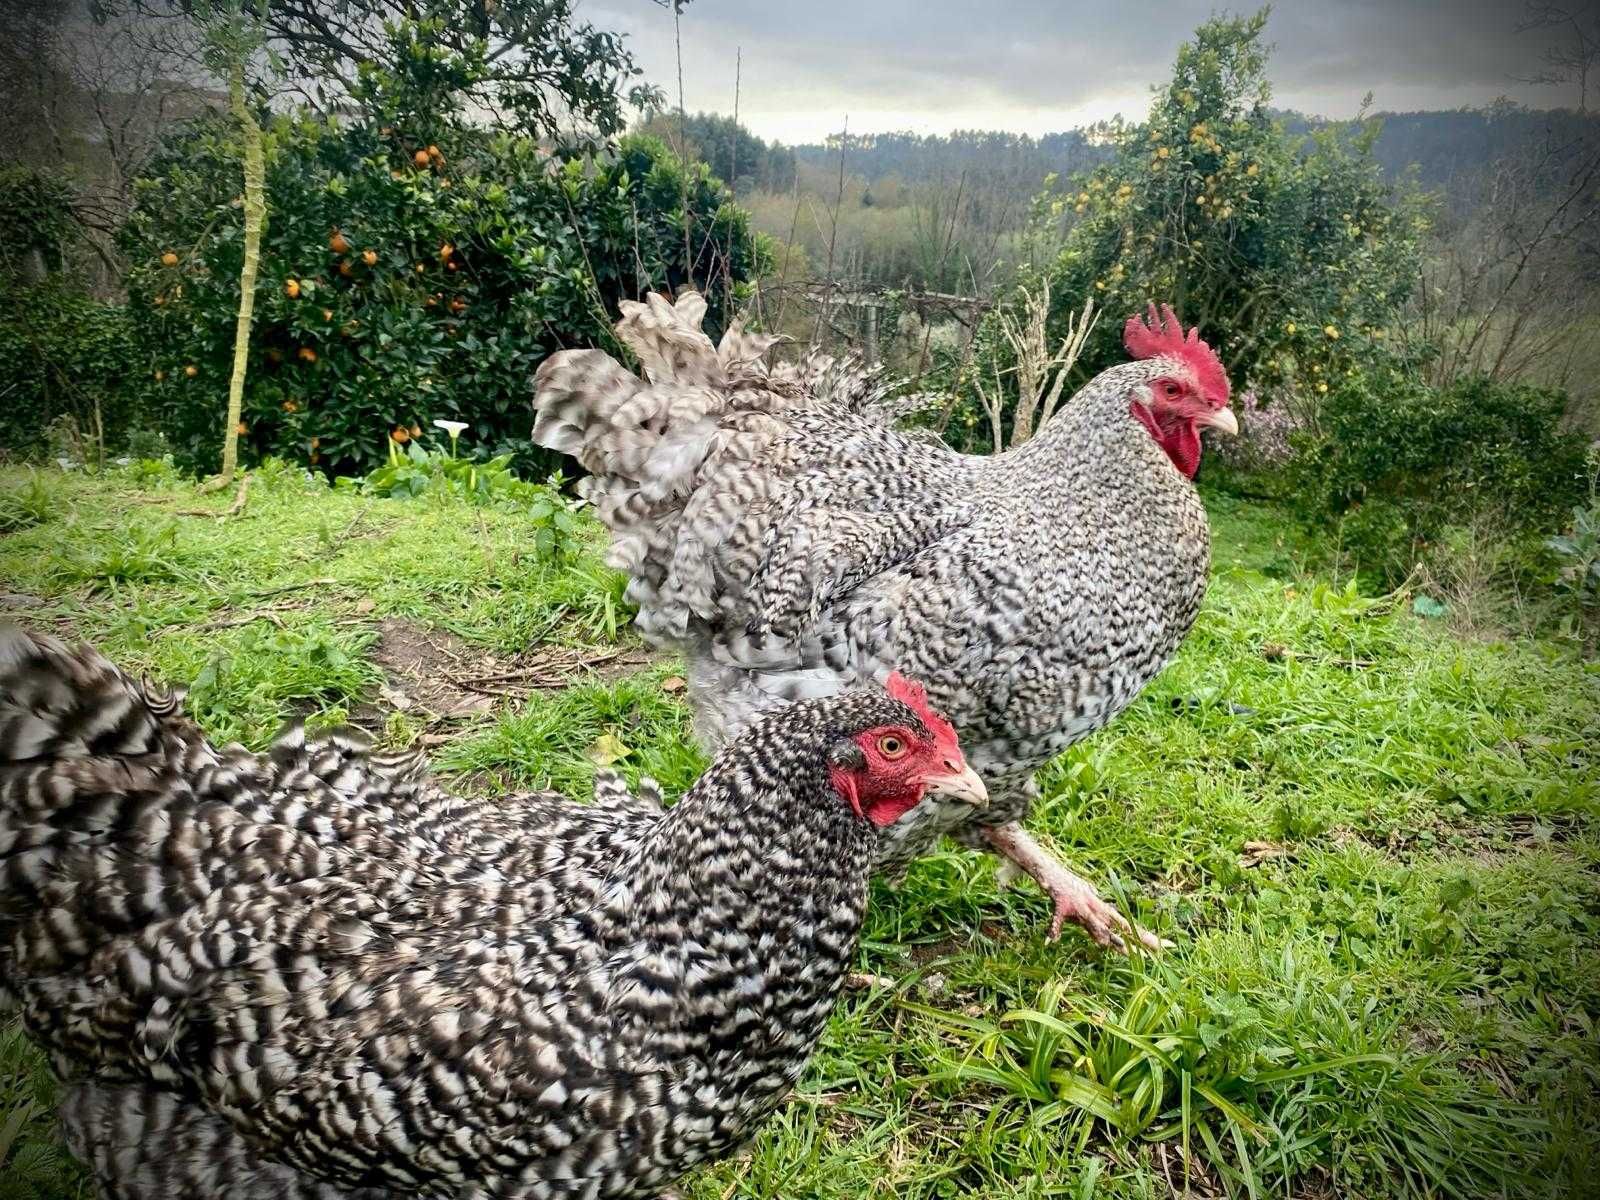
(1039, 65)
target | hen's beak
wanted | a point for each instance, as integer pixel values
(962, 783)
(1224, 420)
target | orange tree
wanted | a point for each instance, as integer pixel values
(405, 281)
(1292, 254)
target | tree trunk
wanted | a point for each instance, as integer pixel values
(255, 221)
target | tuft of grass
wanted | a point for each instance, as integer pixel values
(26, 501)
(554, 741)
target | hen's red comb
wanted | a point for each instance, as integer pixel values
(1161, 335)
(915, 697)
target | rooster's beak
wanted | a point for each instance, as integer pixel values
(961, 784)
(1224, 420)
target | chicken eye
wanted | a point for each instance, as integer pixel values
(1171, 389)
(891, 746)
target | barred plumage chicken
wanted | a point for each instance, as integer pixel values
(314, 973)
(790, 542)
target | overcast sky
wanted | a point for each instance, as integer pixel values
(1035, 66)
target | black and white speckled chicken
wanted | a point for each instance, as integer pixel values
(790, 542)
(312, 973)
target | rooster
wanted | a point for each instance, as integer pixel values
(313, 973)
(781, 534)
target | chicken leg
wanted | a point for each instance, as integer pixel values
(1072, 897)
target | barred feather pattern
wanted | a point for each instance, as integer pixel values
(791, 544)
(314, 973)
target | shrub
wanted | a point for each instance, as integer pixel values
(415, 472)
(66, 356)
(1291, 254)
(1395, 462)
(405, 283)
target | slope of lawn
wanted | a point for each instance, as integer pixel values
(1373, 843)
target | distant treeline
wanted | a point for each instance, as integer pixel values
(736, 155)
(1445, 147)
(931, 158)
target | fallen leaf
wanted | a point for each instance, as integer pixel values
(673, 684)
(1256, 853)
(856, 980)
(471, 706)
(608, 748)
(365, 605)
(394, 698)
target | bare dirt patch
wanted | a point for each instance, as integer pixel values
(435, 671)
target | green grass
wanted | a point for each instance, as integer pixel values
(1373, 842)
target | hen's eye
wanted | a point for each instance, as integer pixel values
(891, 746)
(1170, 388)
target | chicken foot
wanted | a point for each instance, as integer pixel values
(1071, 896)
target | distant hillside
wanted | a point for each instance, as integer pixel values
(918, 158)
(1447, 148)
(1450, 148)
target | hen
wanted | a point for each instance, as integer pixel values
(790, 542)
(312, 973)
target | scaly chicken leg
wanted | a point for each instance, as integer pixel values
(1072, 896)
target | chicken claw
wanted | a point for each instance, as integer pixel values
(1072, 897)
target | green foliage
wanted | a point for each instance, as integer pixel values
(415, 472)
(64, 354)
(1290, 254)
(405, 282)
(1227, 1074)
(35, 217)
(31, 501)
(33, 1163)
(529, 63)
(734, 154)
(1578, 553)
(1395, 461)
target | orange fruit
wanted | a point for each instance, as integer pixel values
(370, 257)
(292, 287)
(420, 158)
(433, 152)
(315, 442)
(344, 266)
(421, 268)
(416, 431)
(452, 265)
(241, 427)
(307, 354)
(191, 370)
(445, 251)
(338, 243)
(169, 259)
(159, 301)
(400, 435)
(327, 314)
(458, 305)
(290, 406)
(160, 375)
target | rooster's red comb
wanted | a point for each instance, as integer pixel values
(1161, 335)
(915, 697)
